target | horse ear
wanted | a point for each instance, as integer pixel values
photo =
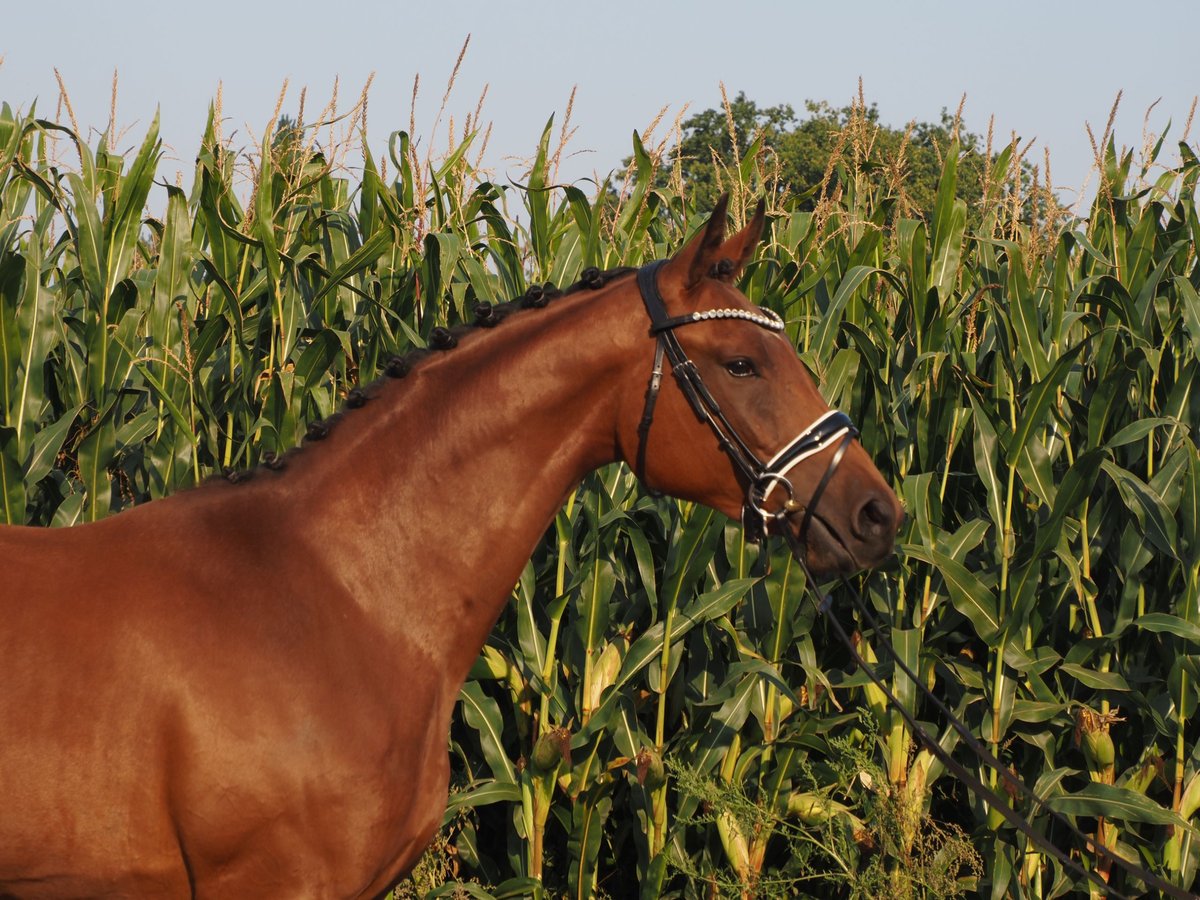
(709, 249)
(694, 261)
(739, 248)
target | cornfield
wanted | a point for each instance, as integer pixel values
(660, 711)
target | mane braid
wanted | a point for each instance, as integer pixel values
(487, 315)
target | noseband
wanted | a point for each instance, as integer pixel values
(760, 478)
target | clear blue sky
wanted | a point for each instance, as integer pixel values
(1044, 69)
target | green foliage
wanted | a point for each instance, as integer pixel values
(1031, 392)
(823, 849)
(812, 158)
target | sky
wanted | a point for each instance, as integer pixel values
(1045, 70)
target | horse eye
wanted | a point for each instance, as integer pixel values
(741, 368)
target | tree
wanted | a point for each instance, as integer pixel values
(811, 158)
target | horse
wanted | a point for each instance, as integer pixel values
(245, 689)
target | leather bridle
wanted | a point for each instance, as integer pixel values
(760, 478)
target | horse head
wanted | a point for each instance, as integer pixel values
(781, 459)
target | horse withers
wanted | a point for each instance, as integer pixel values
(245, 690)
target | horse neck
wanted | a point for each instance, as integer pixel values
(427, 503)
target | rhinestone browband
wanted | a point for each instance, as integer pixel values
(767, 318)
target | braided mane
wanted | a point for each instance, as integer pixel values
(486, 316)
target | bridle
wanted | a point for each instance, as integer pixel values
(760, 478)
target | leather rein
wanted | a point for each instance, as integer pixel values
(761, 478)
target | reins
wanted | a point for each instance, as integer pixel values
(761, 478)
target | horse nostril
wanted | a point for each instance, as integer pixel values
(875, 518)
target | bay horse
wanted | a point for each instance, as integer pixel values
(245, 689)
